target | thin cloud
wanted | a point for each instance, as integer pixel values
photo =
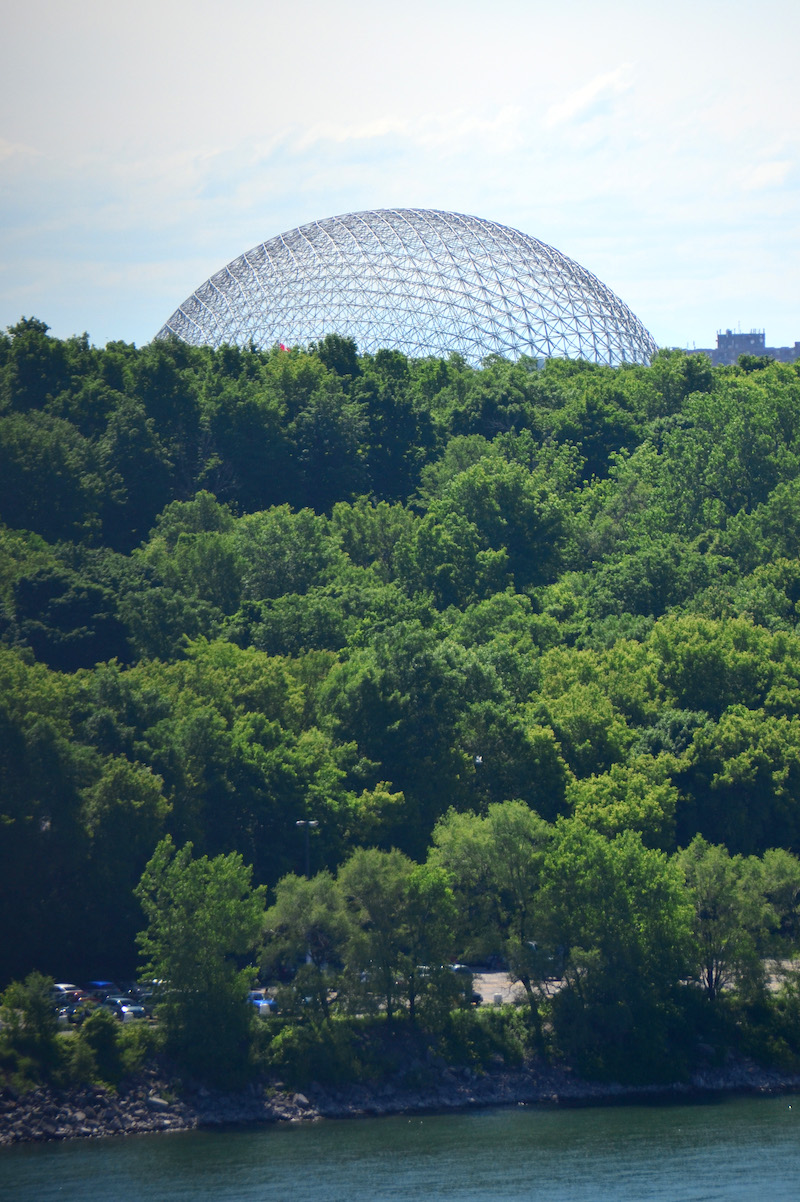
(767, 175)
(583, 102)
(433, 130)
(11, 150)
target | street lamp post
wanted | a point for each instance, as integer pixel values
(307, 823)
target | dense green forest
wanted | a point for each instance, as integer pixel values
(412, 601)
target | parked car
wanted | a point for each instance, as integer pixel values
(76, 1014)
(146, 998)
(65, 994)
(466, 974)
(265, 1006)
(101, 989)
(123, 1007)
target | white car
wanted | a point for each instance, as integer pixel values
(263, 1004)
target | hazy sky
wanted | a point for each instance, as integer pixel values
(143, 146)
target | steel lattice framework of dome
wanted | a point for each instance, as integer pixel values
(416, 280)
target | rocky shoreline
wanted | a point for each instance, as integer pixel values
(149, 1103)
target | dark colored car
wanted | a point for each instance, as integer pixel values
(466, 974)
(101, 989)
(76, 1015)
(124, 1007)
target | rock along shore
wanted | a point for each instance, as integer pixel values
(149, 1103)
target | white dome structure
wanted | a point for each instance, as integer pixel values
(419, 281)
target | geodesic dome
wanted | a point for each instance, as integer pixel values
(415, 280)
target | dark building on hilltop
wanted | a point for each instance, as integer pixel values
(731, 345)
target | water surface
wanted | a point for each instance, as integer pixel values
(737, 1149)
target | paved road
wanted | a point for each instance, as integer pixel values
(493, 984)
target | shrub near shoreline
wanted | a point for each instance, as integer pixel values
(34, 1051)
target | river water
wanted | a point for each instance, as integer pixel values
(739, 1148)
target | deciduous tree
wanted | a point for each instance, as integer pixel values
(204, 921)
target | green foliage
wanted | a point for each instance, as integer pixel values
(592, 734)
(732, 914)
(68, 622)
(401, 700)
(28, 1016)
(284, 552)
(620, 913)
(303, 1052)
(354, 1050)
(770, 1028)
(620, 909)
(780, 880)
(203, 919)
(481, 1038)
(511, 509)
(373, 534)
(82, 1064)
(401, 918)
(100, 1033)
(496, 865)
(742, 775)
(637, 796)
(51, 477)
(242, 588)
(307, 922)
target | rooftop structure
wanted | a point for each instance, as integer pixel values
(733, 343)
(417, 280)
